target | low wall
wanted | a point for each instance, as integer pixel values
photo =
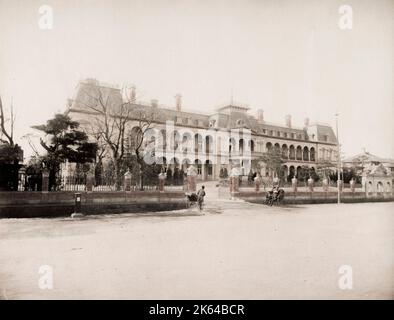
(57, 204)
(316, 197)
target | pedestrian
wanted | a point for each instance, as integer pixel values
(200, 197)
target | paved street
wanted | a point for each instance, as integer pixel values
(235, 250)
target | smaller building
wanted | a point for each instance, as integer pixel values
(377, 173)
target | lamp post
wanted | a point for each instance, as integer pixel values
(338, 160)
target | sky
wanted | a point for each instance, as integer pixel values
(285, 57)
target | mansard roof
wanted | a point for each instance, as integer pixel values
(229, 116)
(366, 157)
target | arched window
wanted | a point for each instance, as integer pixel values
(208, 144)
(312, 154)
(186, 143)
(241, 146)
(285, 152)
(198, 165)
(299, 153)
(277, 148)
(292, 153)
(163, 139)
(305, 154)
(251, 144)
(175, 140)
(231, 147)
(209, 167)
(197, 142)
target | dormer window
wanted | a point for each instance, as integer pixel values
(239, 122)
(212, 123)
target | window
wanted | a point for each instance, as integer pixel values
(185, 120)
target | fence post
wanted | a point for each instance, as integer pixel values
(162, 179)
(310, 184)
(257, 182)
(89, 182)
(352, 185)
(45, 180)
(325, 184)
(294, 184)
(127, 181)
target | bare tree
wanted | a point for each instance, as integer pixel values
(109, 127)
(137, 136)
(9, 135)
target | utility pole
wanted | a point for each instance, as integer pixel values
(338, 160)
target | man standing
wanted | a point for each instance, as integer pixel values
(200, 197)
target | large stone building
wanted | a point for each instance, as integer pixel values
(228, 135)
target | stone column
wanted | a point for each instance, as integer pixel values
(234, 184)
(234, 180)
(127, 181)
(191, 178)
(45, 180)
(89, 182)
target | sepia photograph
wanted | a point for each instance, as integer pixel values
(195, 150)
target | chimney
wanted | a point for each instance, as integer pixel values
(178, 102)
(288, 121)
(306, 122)
(154, 103)
(132, 95)
(260, 115)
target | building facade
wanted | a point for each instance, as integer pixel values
(229, 136)
(377, 173)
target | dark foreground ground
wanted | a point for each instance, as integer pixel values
(235, 250)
